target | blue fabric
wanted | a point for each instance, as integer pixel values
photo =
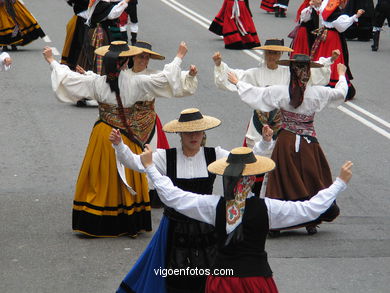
(142, 277)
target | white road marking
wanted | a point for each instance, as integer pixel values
(365, 122)
(204, 22)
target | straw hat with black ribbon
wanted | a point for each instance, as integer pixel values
(238, 170)
(300, 58)
(191, 120)
(118, 49)
(147, 48)
(274, 45)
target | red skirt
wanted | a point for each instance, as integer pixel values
(240, 285)
(268, 5)
(224, 25)
(162, 141)
(325, 49)
(301, 43)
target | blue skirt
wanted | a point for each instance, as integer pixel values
(145, 276)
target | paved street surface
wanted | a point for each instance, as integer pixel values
(43, 143)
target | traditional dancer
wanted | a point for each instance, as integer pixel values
(75, 32)
(5, 61)
(268, 5)
(331, 37)
(309, 23)
(108, 202)
(124, 22)
(103, 28)
(362, 30)
(139, 65)
(241, 219)
(267, 73)
(280, 8)
(17, 25)
(188, 243)
(382, 12)
(234, 22)
(302, 169)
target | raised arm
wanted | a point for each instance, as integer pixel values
(68, 85)
(321, 76)
(133, 161)
(284, 214)
(170, 82)
(221, 70)
(259, 98)
(196, 206)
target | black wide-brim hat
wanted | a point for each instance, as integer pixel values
(300, 58)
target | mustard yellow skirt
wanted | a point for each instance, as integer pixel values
(22, 32)
(75, 31)
(102, 204)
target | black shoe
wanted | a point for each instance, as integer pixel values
(273, 233)
(276, 9)
(81, 103)
(311, 230)
(14, 48)
(5, 49)
(282, 12)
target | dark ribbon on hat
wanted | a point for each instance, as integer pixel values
(144, 45)
(112, 66)
(274, 42)
(233, 172)
(190, 117)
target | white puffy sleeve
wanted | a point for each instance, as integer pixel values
(117, 10)
(321, 76)
(170, 82)
(133, 161)
(283, 214)
(201, 207)
(264, 99)
(221, 80)
(343, 22)
(70, 86)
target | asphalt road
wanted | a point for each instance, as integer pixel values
(43, 143)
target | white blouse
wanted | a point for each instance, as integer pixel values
(3, 56)
(263, 76)
(280, 213)
(315, 98)
(341, 24)
(187, 167)
(70, 86)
